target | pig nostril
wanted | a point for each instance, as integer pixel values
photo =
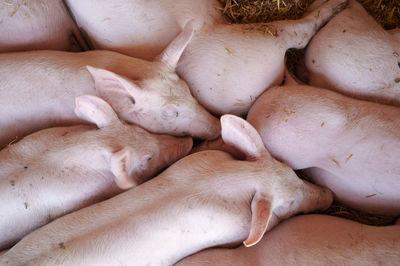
(132, 100)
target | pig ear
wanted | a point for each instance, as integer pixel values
(127, 169)
(238, 133)
(95, 110)
(261, 209)
(170, 56)
(118, 91)
(120, 164)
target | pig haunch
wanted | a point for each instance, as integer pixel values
(205, 199)
(38, 25)
(58, 170)
(355, 56)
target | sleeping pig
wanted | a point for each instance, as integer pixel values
(348, 145)
(140, 28)
(38, 25)
(354, 55)
(227, 66)
(205, 199)
(58, 170)
(37, 90)
(312, 240)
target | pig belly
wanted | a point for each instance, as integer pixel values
(373, 195)
(140, 28)
(37, 25)
(226, 72)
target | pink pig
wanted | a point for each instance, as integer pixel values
(58, 170)
(37, 90)
(353, 55)
(38, 25)
(140, 28)
(312, 240)
(348, 145)
(227, 66)
(206, 199)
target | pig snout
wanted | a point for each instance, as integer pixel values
(315, 198)
(208, 128)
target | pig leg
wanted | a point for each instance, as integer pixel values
(298, 33)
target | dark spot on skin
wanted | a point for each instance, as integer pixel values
(26, 205)
(30, 185)
(42, 177)
(370, 69)
(25, 167)
(12, 183)
(344, 30)
(330, 46)
(149, 159)
(397, 80)
(313, 61)
(61, 245)
(64, 134)
(177, 114)
(210, 89)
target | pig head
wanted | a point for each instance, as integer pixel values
(160, 102)
(143, 154)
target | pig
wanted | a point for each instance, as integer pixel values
(58, 170)
(205, 199)
(226, 66)
(149, 94)
(348, 145)
(355, 56)
(312, 240)
(140, 28)
(38, 25)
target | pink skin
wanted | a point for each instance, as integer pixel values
(227, 66)
(354, 55)
(312, 240)
(140, 28)
(206, 199)
(348, 145)
(149, 94)
(38, 25)
(59, 170)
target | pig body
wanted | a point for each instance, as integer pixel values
(140, 28)
(226, 66)
(348, 145)
(58, 170)
(38, 25)
(206, 199)
(312, 240)
(149, 94)
(353, 55)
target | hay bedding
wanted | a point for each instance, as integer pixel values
(386, 12)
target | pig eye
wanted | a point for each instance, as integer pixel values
(132, 100)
